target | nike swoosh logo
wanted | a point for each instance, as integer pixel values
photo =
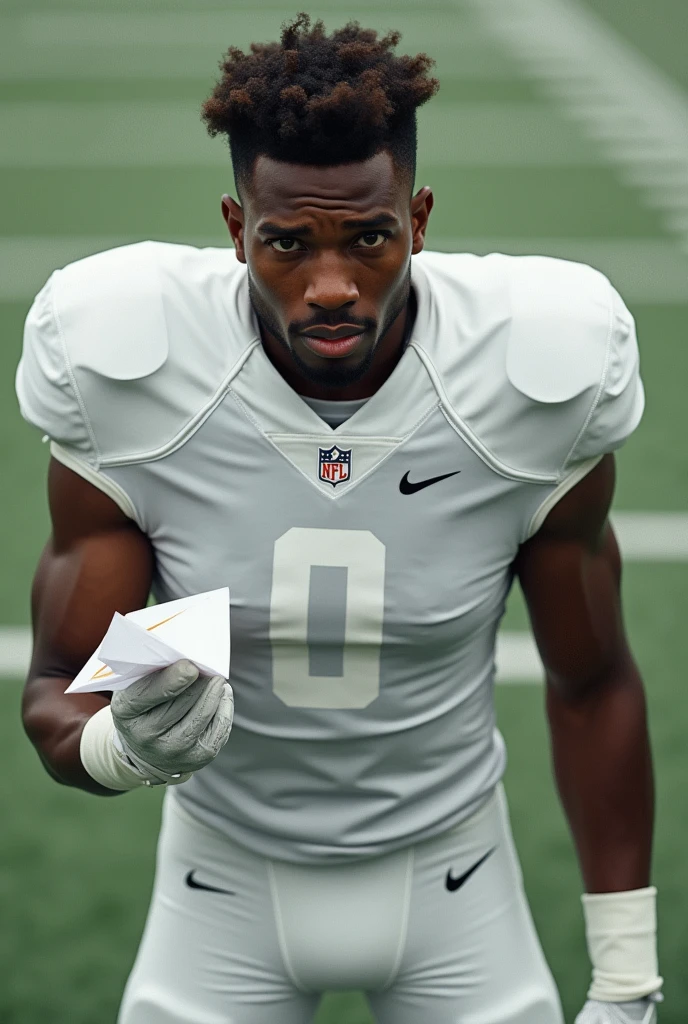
(453, 884)
(193, 884)
(406, 487)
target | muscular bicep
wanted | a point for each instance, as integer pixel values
(96, 562)
(570, 574)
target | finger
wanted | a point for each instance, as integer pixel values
(164, 716)
(154, 689)
(188, 729)
(218, 730)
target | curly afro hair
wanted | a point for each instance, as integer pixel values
(320, 99)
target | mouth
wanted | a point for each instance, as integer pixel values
(333, 344)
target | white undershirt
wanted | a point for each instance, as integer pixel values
(334, 413)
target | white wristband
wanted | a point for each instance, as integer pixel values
(621, 929)
(103, 760)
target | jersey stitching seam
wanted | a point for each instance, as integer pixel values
(190, 427)
(603, 381)
(334, 496)
(406, 912)
(99, 480)
(281, 933)
(315, 438)
(471, 439)
(72, 380)
(555, 496)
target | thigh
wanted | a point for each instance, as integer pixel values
(472, 955)
(210, 952)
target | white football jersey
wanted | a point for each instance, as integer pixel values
(368, 564)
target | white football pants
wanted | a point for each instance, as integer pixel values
(425, 949)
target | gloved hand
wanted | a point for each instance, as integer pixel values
(173, 721)
(640, 1011)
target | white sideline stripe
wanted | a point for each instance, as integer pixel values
(637, 114)
(644, 270)
(652, 536)
(188, 44)
(643, 536)
(239, 26)
(517, 657)
(159, 133)
(15, 651)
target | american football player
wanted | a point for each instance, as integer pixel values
(366, 442)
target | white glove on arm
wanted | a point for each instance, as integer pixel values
(160, 729)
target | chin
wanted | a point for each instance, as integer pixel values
(335, 373)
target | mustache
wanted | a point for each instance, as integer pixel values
(332, 320)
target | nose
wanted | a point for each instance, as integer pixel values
(330, 285)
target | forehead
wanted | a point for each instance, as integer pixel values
(281, 189)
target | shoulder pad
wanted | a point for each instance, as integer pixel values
(110, 308)
(150, 331)
(524, 352)
(561, 319)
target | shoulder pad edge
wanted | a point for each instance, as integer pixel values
(559, 335)
(110, 313)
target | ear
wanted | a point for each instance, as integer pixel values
(234, 219)
(421, 205)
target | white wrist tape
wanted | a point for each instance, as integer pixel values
(621, 929)
(103, 759)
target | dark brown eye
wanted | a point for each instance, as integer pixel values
(372, 240)
(285, 245)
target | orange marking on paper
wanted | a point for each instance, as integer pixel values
(163, 621)
(104, 672)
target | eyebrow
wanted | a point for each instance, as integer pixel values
(366, 223)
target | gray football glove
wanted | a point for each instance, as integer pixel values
(173, 722)
(640, 1011)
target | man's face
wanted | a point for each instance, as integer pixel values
(328, 252)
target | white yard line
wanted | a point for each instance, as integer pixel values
(644, 270)
(637, 114)
(517, 657)
(652, 536)
(15, 651)
(644, 537)
(159, 133)
(239, 26)
(188, 43)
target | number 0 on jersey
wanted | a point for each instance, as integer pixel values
(326, 614)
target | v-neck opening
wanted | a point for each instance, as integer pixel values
(394, 382)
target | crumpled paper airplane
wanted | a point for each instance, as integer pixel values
(193, 628)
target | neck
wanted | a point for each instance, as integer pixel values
(386, 357)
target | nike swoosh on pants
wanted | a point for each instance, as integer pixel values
(453, 884)
(193, 884)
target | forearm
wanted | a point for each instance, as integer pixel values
(54, 724)
(603, 768)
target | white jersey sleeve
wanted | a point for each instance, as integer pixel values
(48, 398)
(620, 398)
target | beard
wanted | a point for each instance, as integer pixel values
(335, 375)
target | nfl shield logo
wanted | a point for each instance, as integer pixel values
(334, 465)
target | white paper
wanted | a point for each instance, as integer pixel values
(193, 628)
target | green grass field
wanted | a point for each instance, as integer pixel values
(81, 84)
